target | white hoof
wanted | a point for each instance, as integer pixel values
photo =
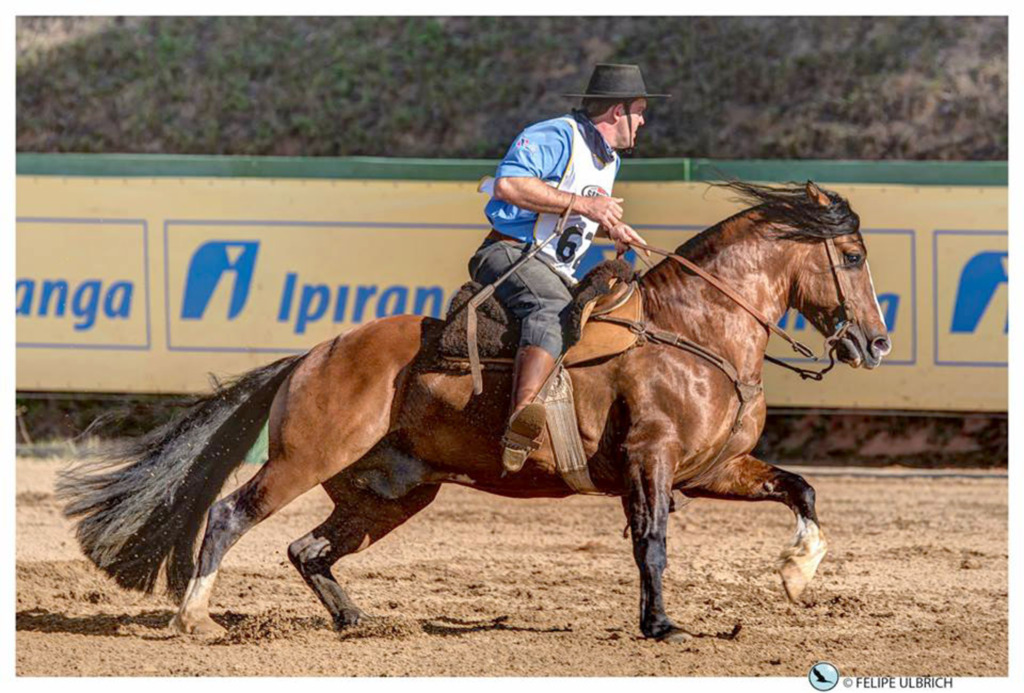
(798, 563)
(203, 626)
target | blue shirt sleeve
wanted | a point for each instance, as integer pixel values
(540, 151)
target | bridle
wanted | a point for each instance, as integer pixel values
(831, 342)
(845, 321)
(842, 325)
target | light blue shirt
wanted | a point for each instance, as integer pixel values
(542, 150)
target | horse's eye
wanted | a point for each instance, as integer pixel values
(852, 258)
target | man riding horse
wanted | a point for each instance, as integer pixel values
(375, 418)
(566, 164)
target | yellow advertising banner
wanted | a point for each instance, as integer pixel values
(150, 284)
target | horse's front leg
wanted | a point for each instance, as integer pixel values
(647, 504)
(747, 478)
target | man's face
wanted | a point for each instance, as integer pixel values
(626, 128)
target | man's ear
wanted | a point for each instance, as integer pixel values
(816, 195)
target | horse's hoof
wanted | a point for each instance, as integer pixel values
(666, 631)
(799, 563)
(348, 618)
(203, 626)
(794, 581)
(676, 635)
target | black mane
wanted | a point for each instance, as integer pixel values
(794, 213)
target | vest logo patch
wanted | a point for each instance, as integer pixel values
(594, 191)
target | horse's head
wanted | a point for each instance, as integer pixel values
(825, 261)
(832, 284)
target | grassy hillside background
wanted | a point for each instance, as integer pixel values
(821, 88)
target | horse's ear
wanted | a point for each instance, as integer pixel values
(816, 194)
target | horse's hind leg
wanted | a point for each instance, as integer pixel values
(359, 519)
(748, 478)
(273, 487)
(333, 408)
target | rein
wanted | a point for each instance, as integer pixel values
(831, 342)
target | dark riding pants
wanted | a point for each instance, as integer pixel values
(535, 294)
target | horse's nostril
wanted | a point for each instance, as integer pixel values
(881, 346)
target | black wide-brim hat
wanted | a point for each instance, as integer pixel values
(609, 81)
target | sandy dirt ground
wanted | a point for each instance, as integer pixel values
(476, 585)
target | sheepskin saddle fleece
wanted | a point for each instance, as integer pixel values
(608, 289)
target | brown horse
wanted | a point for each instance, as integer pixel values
(366, 416)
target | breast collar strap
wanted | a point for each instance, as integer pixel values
(745, 392)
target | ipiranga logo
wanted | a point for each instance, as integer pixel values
(981, 278)
(210, 264)
(971, 285)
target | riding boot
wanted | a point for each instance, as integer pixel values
(525, 428)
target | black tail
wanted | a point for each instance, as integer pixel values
(143, 503)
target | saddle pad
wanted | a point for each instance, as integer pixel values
(498, 331)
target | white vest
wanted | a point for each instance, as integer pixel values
(586, 176)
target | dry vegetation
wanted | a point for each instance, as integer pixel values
(798, 87)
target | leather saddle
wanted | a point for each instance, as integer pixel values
(609, 290)
(602, 339)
